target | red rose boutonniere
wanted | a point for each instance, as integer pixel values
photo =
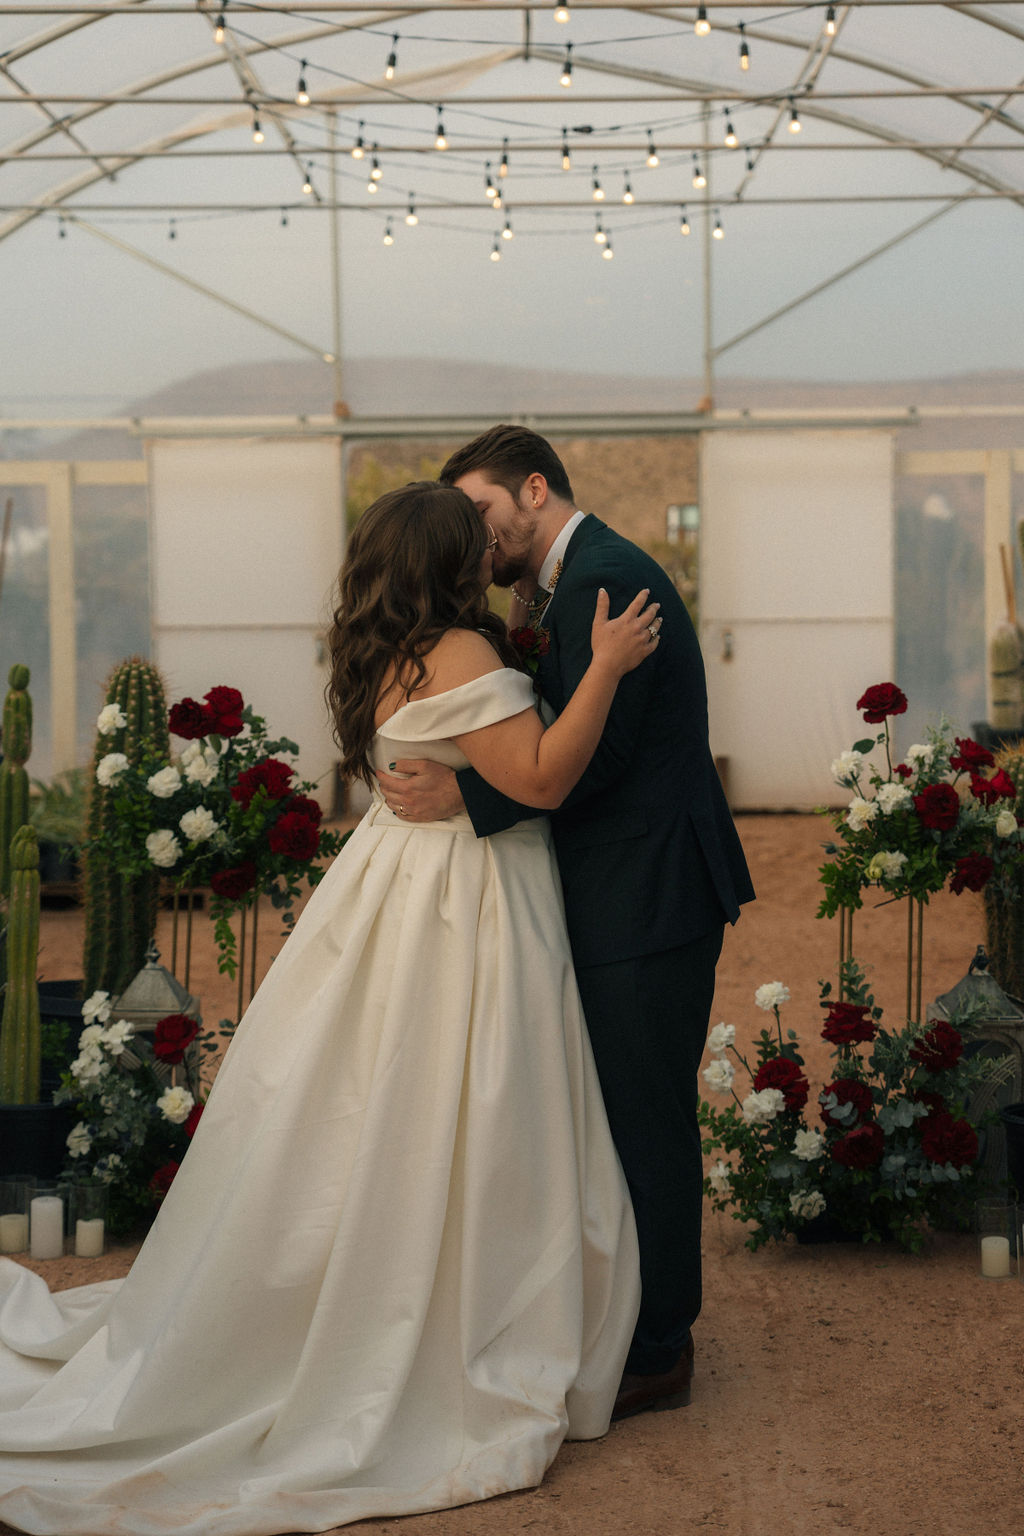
(531, 644)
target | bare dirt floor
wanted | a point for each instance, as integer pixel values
(838, 1388)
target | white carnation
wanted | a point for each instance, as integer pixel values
(163, 848)
(96, 1006)
(721, 1037)
(772, 994)
(885, 865)
(719, 1075)
(894, 797)
(807, 1145)
(761, 1108)
(199, 825)
(807, 1202)
(91, 1037)
(175, 1104)
(846, 768)
(921, 753)
(110, 719)
(718, 1177)
(110, 768)
(190, 752)
(1006, 824)
(201, 771)
(165, 783)
(79, 1141)
(90, 1065)
(860, 812)
(116, 1036)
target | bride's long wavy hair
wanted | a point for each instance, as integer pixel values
(411, 572)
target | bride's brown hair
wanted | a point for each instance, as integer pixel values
(411, 572)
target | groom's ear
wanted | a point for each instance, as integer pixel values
(535, 491)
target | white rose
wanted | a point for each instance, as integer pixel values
(110, 768)
(175, 1104)
(718, 1177)
(96, 1006)
(198, 825)
(807, 1145)
(807, 1202)
(719, 1075)
(761, 1108)
(163, 848)
(116, 1036)
(771, 995)
(79, 1141)
(921, 753)
(846, 767)
(721, 1037)
(110, 719)
(89, 1066)
(165, 783)
(1006, 824)
(894, 797)
(885, 865)
(861, 812)
(201, 771)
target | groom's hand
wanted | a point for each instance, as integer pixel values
(418, 789)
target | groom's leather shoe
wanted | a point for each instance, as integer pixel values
(667, 1389)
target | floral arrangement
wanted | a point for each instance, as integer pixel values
(531, 643)
(227, 812)
(134, 1127)
(941, 814)
(885, 1148)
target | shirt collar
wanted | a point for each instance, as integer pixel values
(558, 549)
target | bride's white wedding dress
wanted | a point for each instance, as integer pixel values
(398, 1264)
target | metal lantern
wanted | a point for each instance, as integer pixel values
(997, 1030)
(149, 997)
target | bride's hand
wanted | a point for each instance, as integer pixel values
(623, 643)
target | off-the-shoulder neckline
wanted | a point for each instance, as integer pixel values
(445, 694)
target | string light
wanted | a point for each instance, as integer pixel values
(598, 193)
(684, 223)
(566, 157)
(607, 253)
(561, 13)
(503, 167)
(566, 75)
(492, 190)
(375, 172)
(652, 153)
(389, 238)
(389, 68)
(307, 185)
(795, 125)
(359, 148)
(508, 231)
(412, 216)
(730, 132)
(600, 237)
(440, 142)
(301, 93)
(221, 29)
(496, 250)
(699, 179)
(257, 132)
(172, 233)
(830, 21)
(371, 185)
(497, 204)
(702, 26)
(744, 50)
(627, 191)
(718, 233)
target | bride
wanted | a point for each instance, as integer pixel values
(398, 1265)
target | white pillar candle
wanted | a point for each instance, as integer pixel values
(14, 1233)
(995, 1257)
(47, 1227)
(89, 1238)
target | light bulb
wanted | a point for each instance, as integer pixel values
(301, 93)
(684, 223)
(358, 147)
(389, 238)
(503, 167)
(491, 189)
(376, 173)
(795, 125)
(371, 186)
(607, 253)
(718, 233)
(389, 68)
(220, 29)
(702, 26)
(411, 217)
(561, 13)
(496, 250)
(566, 75)
(699, 179)
(566, 157)
(257, 132)
(627, 193)
(598, 193)
(652, 153)
(307, 185)
(508, 231)
(599, 235)
(440, 142)
(730, 132)
(744, 50)
(830, 21)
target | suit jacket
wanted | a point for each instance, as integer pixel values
(647, 850)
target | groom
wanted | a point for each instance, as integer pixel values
(651, 865)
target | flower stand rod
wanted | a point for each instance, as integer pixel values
(188, 933)
(915, 960)
(845, 945)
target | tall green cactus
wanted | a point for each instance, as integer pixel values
(17, 744)
(1004, 913)
(120, 910)
(20, 1031)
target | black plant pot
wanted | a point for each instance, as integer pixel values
(1012, 1116)
(33, 1138)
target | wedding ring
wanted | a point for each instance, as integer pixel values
(401, 810)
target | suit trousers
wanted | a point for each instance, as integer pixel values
(647, 1019)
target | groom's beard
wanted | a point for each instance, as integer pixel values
(510, 560)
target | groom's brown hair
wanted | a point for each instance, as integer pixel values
(507, 455)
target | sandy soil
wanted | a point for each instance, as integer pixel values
(838, 1389)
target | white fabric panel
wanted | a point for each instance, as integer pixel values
(246, 540)
(797, 583)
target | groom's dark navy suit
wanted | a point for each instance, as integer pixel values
(652, 869)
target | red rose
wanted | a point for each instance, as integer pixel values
(861, 1148)
(945, 1140)
(530, 642)
(938, 1049)
(226, 705)
(271, 775)
(904, 771)
(194, 1117)
(972, 873)
(190, 720)
(938, 806)
(172, 1035)
(294, 835)
(848, 1090)
(162, 1180)
(999, 787)
(302, 805)
(782, 1073)
(848, 1023)
(232, 883)
(881, 700)
(970, 755)
(934, 1102)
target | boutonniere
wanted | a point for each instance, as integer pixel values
(531, 644)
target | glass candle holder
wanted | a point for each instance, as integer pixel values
(999, 1238)
(15, 1194)
(89, 1219)
(46, 1222)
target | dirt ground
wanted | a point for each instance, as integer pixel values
(838, 1389)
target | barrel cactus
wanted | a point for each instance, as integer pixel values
(17, 744)
(20, 1041)
(1004, 910)
(120, 910)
